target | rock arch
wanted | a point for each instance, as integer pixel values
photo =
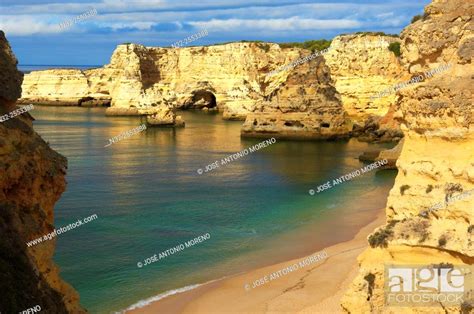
(201, 99)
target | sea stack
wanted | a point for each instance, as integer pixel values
(305, 105)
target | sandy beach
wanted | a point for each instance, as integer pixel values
(316, 288)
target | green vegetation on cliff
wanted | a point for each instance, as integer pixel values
(419, 17)
(312, 45)
(395, 48)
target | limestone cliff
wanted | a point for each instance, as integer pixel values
(229, 77)
(31, 181)
(312, 110)
(362, 65)
(436, 162)
(232, 78)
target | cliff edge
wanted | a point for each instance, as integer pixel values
(31, 181)
(430, 210)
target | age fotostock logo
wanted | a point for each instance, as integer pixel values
(427, 285)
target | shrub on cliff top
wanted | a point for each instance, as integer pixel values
(376, 34)
(370, 34)
(265, 47)
(395, 48)
(418, 17)
(313, 45)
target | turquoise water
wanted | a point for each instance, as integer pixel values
(149, 197)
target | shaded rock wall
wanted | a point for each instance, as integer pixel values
(437, 159)
(31, 181)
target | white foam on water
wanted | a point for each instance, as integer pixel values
(143, 303)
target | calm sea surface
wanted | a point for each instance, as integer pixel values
(149, 197)
(27, 68)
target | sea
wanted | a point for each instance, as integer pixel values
(27, 68)
(149, 196)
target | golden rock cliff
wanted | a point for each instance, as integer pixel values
(232, 78)
(361, 66)
(229, 77)
(310, 111)
(430, 210)
(31, 181)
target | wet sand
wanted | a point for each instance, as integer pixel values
(316, 288)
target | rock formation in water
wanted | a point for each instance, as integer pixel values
(436, 165)
(232, 78)
(164, 116)
(31, 181)
(138, 79)
(312, 110)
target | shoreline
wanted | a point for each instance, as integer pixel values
(297, 292)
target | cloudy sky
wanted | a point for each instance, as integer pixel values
(32, 26)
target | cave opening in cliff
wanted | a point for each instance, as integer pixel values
(202, 99)
(94, 102)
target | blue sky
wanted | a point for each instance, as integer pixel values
(32, 26)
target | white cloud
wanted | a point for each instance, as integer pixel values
(288, 24)
(26, 25)
(137, 25)
(130, 5)
(74, 8)
(384, 15)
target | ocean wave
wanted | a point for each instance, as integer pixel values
(143, 303)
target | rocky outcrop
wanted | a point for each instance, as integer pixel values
(10, 78)
(31, 181)
(379, 129)
(164, 117)
(230, 78)
(390, 155)
(361, 66)
(312, 110)
(63, 87)
(435, 165)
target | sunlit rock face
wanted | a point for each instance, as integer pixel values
(231, 78)
(310, 111)
(31, 182)
(361, 66)
(436, 168)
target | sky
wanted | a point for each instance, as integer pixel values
(34, 31)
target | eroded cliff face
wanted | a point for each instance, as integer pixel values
(229, 77)
(31, 181)
(232, 77)
(310, 111)
(436, 164)
(361, 66)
